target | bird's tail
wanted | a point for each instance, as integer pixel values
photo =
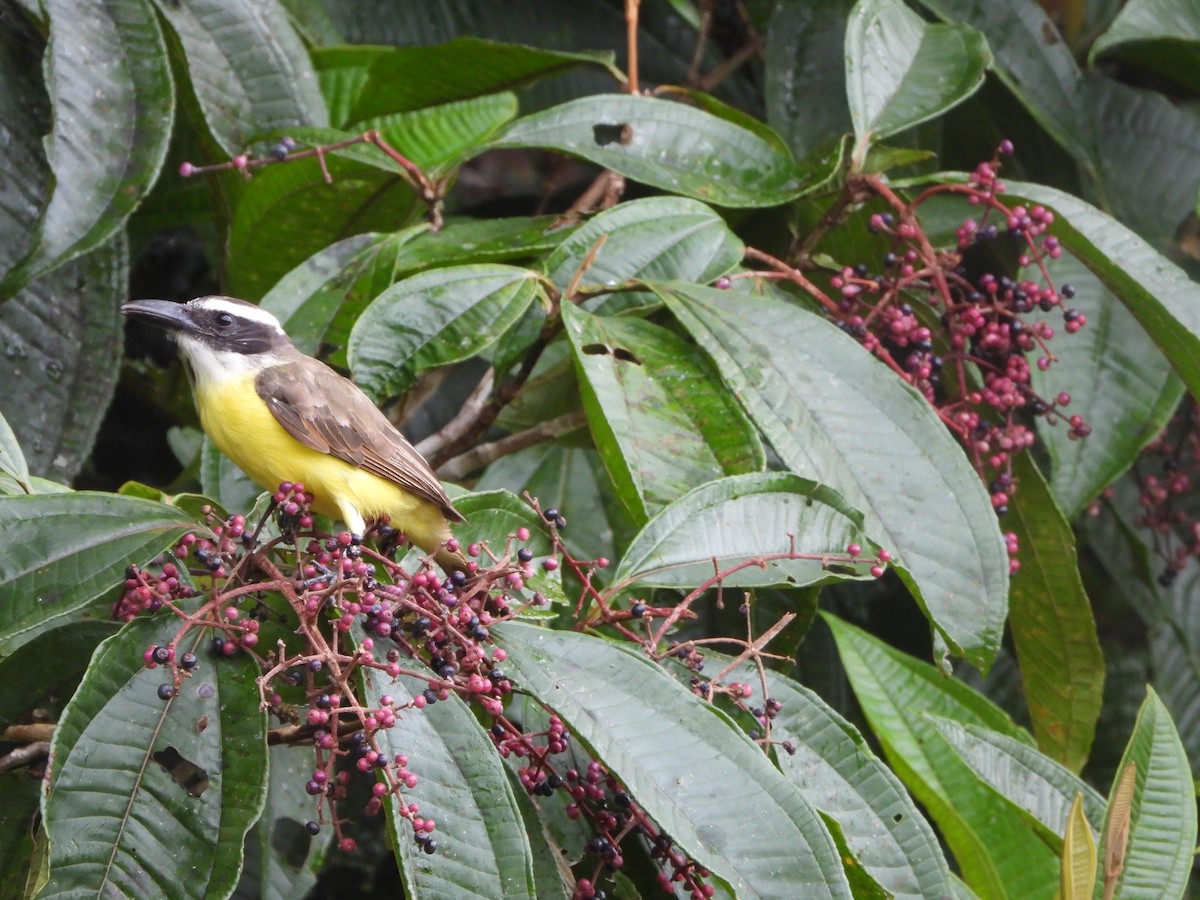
(450, 560)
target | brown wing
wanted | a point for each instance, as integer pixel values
(324, 411)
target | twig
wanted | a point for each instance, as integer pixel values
(24, 756)
(631, 34)
(732, 64)
(462, 422)
(604, 191)
(478, 457)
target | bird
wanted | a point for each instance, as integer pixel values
(282, 415)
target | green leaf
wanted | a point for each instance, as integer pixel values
(19, 859)
(1034, 63)
(483, 850)
(1160, 35)
(247, 67)
(110, 85)
(837, 772)
(30, 683)
(1040, 789)
(408, 78)
(740, 519)
(659, 417)
(1175, 652)
(1148, 167)
(12, 460)
(221, 479)
(67, 549)
(441, 138)
(662, 238)
(1118, 381)
(318, 301)
(25, 111)
(1157, 858)
(119, 825)
(998, 855)
(571, 479)
(1062, 667)
(715, 792)
(666, 145)
(805, 83)
(61, 376)
(438, 317)
(901, 71)
(1079, 857)
(289, 212)
(1158, 293)
(288, 857)
(835, 414)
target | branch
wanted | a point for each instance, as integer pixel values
(478, 457)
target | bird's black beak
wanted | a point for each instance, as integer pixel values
(162, 313)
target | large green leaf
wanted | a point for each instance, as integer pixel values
(666, 145)
(656, 238)
(1038, 788)
(440, 138)
(1033, 61)
(712, 790)
(247, 67)
(742, 518)
(1157, 859)
(1147, 157)
(658, 414)
(805, 83)
(62, 340)
(386, 80)
(998, 855)
(66, 549)
(25, 111)
(19, 856)
(119, 825)
(1160, 35)
(836, 415)
(1053, 631)
(572, 480)
(1175, 655)
(110, 85)
(483, 850)
(282, 858)
(29, 683)
(318, 301)
(435, 318)
(289, 212)
(901, 70)
(1117, 379)
(1158, 293)
(833, 766)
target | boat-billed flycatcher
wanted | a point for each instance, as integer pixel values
(284, 416)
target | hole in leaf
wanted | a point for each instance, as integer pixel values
(625, 356)
(290, 840)
(595, 349)
(183, 772)
(603, 134)
(898, 818)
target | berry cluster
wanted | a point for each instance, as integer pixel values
(958, 331)
(342, 612)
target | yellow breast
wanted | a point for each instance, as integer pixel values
(241, 425)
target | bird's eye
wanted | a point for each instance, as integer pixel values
(224, 320)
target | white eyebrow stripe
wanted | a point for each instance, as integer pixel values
(241, 310)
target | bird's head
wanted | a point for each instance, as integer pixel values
(219, 336)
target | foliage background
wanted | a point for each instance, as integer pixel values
(103, 100)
